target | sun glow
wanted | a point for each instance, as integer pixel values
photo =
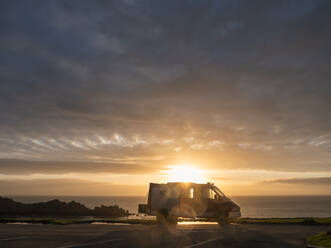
(185, 173)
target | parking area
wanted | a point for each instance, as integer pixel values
(183, 235)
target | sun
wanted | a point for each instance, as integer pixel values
(185, 173)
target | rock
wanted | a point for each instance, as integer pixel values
(9, 207)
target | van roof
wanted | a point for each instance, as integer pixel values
(186, 183)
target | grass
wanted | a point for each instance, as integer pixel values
(320, 240)
(302, 221)
(324, 220)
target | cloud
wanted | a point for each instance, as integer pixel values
(28, 167)
(221, 179)
(313, 180)
(67, 187)
(74, 75)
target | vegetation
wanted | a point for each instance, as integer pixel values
(9, 207)
(320, 240)
(58, 221)
(302, 221)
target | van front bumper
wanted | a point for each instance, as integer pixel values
(234, 214)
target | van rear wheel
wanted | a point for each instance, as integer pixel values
(164, 217)
(172, 219)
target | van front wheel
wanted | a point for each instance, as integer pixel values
(223, 220)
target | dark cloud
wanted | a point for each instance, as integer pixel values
(254, 75)
(28, 167)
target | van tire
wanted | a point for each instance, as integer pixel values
(223, 221)
(163, 218)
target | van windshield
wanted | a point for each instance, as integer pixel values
(220, 193)
(210, 193)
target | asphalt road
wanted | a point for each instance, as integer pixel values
(188, 236)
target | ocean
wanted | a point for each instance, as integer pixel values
(251, 206)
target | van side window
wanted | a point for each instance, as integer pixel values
(191, 193)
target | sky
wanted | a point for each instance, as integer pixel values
(103, 97)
